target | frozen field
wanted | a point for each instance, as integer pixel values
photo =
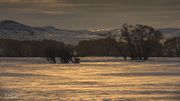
(95, 79)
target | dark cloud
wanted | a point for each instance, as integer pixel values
(85, 14)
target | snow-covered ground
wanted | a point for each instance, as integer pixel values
(95, 79)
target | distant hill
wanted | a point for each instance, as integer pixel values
(14, 30)
(170, 32)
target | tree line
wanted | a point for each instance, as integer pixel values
(138, 42)
(47, 48)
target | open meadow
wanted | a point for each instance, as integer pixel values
(95, 79)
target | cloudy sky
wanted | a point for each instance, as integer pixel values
(92, 14)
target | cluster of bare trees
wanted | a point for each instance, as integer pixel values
(64, 54)
(141, 40)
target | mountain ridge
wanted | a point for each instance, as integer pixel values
(14, 30)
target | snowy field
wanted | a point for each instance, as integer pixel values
(95, 79)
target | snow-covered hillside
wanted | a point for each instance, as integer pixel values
(14, 30)
(170, 32)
